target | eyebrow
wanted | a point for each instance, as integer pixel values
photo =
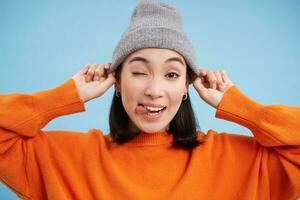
(138, 58)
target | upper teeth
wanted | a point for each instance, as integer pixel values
(153, 108)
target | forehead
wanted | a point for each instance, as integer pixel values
(154, 54)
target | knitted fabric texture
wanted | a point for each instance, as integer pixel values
(154, 25)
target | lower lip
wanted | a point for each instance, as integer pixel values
(153, 117)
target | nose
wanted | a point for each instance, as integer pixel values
(154, 89)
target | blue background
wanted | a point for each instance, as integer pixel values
(44, 43)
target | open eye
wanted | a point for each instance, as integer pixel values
(172, 75)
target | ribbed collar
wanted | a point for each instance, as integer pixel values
(145, 139)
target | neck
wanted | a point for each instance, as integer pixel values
(135, 130)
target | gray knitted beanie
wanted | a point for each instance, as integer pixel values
(157, 25)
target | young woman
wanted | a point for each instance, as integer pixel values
(153, 150)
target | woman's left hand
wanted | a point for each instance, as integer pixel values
(211, 86)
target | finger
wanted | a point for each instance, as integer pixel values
(212, 79)
(102, 78)
(90, 73)
(96, 77)
(84, 69)
(107, 66)
(219, 79)
(202, 72)
(108, 82)
(199, 86)
(204, 82)
(224, 76)
(100, 71)
(203, 76)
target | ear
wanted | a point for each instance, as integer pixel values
(117, 86)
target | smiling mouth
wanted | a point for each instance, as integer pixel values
(150, 113)
(151, 109)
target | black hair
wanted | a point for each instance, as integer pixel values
(183, 126)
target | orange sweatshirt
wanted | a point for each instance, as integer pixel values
(63, 165)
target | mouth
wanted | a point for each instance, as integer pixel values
(150, 113)
(151, 109)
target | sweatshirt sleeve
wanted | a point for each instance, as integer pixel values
(277, 129)
(22, 116)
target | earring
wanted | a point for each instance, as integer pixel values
(185, 97)
(118, 94)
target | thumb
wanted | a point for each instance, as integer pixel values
(198, 85)
(109, 81)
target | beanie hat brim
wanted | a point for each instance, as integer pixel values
(158, 37)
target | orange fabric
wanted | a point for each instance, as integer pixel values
(56, 165)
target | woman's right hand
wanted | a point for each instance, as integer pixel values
(93, 80)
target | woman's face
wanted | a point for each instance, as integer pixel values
(156, 78)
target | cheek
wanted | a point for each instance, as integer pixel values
(132, 89)
(175, 95)
(130, 94)
(176, 91)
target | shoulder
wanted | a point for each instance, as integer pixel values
(213, 137)
(228, 145)
(69, 137)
